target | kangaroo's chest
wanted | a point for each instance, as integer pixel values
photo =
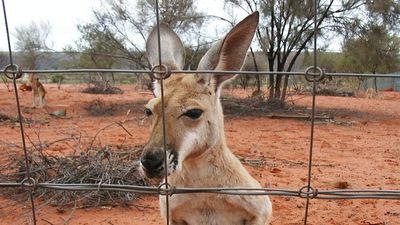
(205, 209)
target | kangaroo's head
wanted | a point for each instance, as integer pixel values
(33, 79)
(193, 112)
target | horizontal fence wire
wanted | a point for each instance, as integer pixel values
(141, 72)
(153, 190)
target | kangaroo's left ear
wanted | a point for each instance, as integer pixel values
(172, 50)
(228, 54)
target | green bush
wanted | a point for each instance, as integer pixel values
(56, 78)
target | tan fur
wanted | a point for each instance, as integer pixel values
(203, 158)
(370, 93)
(39, 92)
(25, 87)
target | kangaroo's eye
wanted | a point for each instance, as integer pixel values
(193, 113)
(148, 112)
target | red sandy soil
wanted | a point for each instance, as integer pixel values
(360, 149)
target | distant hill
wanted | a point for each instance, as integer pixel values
(48, 60)
(57, 60)
(262, 62)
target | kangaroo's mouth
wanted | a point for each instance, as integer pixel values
(153, 165)
(172, 161)
(157, 173)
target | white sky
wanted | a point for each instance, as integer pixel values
(63, 16)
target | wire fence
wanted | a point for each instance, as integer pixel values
(312, 74)
(10, 70)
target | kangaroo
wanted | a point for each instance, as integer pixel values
(38, 91)
(25, 87)
(198, 155)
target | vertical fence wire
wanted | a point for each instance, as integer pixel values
(163, 113)
(20, 119)
(314, 81)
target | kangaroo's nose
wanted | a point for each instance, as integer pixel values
(152, 161)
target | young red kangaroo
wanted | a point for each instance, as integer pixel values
(38, 91)
(198, 155)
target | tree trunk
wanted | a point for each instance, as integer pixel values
(256, 69)
(5, 81)
(375, 84)
(271, 79)
(271, 87)
(285, 85)
(278, 87)
(89, 80)
(59, 83)
(113, 79)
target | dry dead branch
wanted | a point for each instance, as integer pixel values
(109, 164)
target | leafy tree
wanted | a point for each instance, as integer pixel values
(373, 13)
(372, 44)
(126, 26)
(4, 61)
(374, 51)
(327, 60)
(32, 42)
(58, 79)
(286, 30)
(99, 48)
(385, 13)
(120, 29)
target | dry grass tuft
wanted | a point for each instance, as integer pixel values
(108, 165)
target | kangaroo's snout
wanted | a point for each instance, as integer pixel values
(152, 162)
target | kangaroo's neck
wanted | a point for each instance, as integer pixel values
(209, 166)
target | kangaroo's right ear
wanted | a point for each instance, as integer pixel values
(230, 52)
(172, 50)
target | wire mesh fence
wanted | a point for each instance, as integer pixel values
(312, 74)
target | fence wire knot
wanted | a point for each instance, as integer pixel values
(99, 186)
(308, 192)
(159, 72)
(12, 71)
(29, 183)
(165, 189)
(314, 74)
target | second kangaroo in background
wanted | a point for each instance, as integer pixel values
(38, 90)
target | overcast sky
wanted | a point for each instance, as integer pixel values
(64, 15)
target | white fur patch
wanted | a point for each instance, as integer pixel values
(187, 146)
(156, 89)
(171, 162)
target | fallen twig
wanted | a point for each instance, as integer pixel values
(66, 221)
(306, 117)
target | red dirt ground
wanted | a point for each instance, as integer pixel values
(360, 148)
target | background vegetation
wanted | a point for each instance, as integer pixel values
(367, 30)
